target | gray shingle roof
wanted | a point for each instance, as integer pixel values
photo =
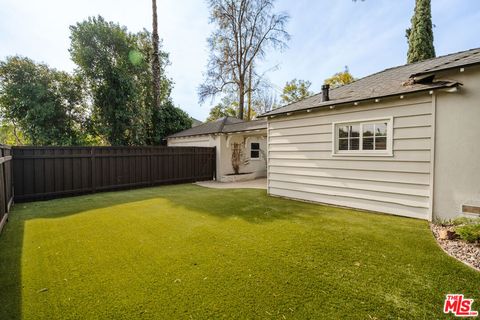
(195, 122)
(390, 82)
(223, 125)
(454, 60)
(245, 126)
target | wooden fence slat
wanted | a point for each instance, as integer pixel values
(51, 172)
(6, 184)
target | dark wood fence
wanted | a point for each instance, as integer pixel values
(50, 172)
(6, 190)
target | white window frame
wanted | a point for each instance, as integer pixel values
(259, 151)
(358, 153)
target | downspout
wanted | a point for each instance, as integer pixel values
(268, 156)
(432, 154)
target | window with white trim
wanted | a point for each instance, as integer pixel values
(363, 137)
(255, 150)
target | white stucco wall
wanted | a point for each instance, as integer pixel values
(224, 152)
(254, 165)
(457, 144)
(301, 164)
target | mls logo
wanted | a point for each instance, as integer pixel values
(459, 306)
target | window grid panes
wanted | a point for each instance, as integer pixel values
(255, 150)
(367, 136)
(374, 136)
(349, 137)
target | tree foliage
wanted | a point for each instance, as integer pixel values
(420, 35)
(221, 110)
(109, 58)
(12, 135)
(171, 120)
(117, 67)
(108, 100)
(164, 119)
(244, 30)
(47, 106)
(340, 79)
(295, 90)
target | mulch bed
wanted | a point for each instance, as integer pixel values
(468, 253)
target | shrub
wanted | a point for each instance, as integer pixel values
(464, 221)
(469, 232)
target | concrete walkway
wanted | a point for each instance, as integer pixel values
(251, 184)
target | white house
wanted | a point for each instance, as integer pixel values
(404, 141)
(224, 134)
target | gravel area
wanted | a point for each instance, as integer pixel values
(468, 253)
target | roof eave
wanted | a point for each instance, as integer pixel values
(446, 85)
(431, 72)
(247, 130)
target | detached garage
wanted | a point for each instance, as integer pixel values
(227, 134)
(403, 141)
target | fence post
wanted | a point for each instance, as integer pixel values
(150, 165)
(92, 161)
(5, 192)
(214, 162)
(12, 181)
(195, 166)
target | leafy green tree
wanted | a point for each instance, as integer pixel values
(172, 120)
(164, 119)
(340, 79)
(117, 65)
(295, 90)
(109, 59)
(221, 110)
(46, 105)
(420, 35)
(11, 135)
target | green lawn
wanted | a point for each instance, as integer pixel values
(188, 252)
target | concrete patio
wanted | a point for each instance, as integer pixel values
(251, 184)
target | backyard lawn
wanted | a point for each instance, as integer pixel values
(188, 252)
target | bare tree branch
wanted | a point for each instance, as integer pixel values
(245, 30)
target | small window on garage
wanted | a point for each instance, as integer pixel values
(255, 150)
(368, 137)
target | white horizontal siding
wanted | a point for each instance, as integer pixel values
(412, 144)
(355, 184)
(401, 155)
(301, 164)
(366, 175)
(196, 141)
(353, 203)
(397, 198)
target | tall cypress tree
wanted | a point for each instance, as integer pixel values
(420, 35)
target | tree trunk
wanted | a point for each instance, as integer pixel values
(241, 98)
(155, 58)
(249, 111)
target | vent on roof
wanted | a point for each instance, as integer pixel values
(325, 92)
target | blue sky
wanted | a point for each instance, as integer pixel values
(327, 35)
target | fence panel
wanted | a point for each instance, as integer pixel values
(6, 190)
(51, 172)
